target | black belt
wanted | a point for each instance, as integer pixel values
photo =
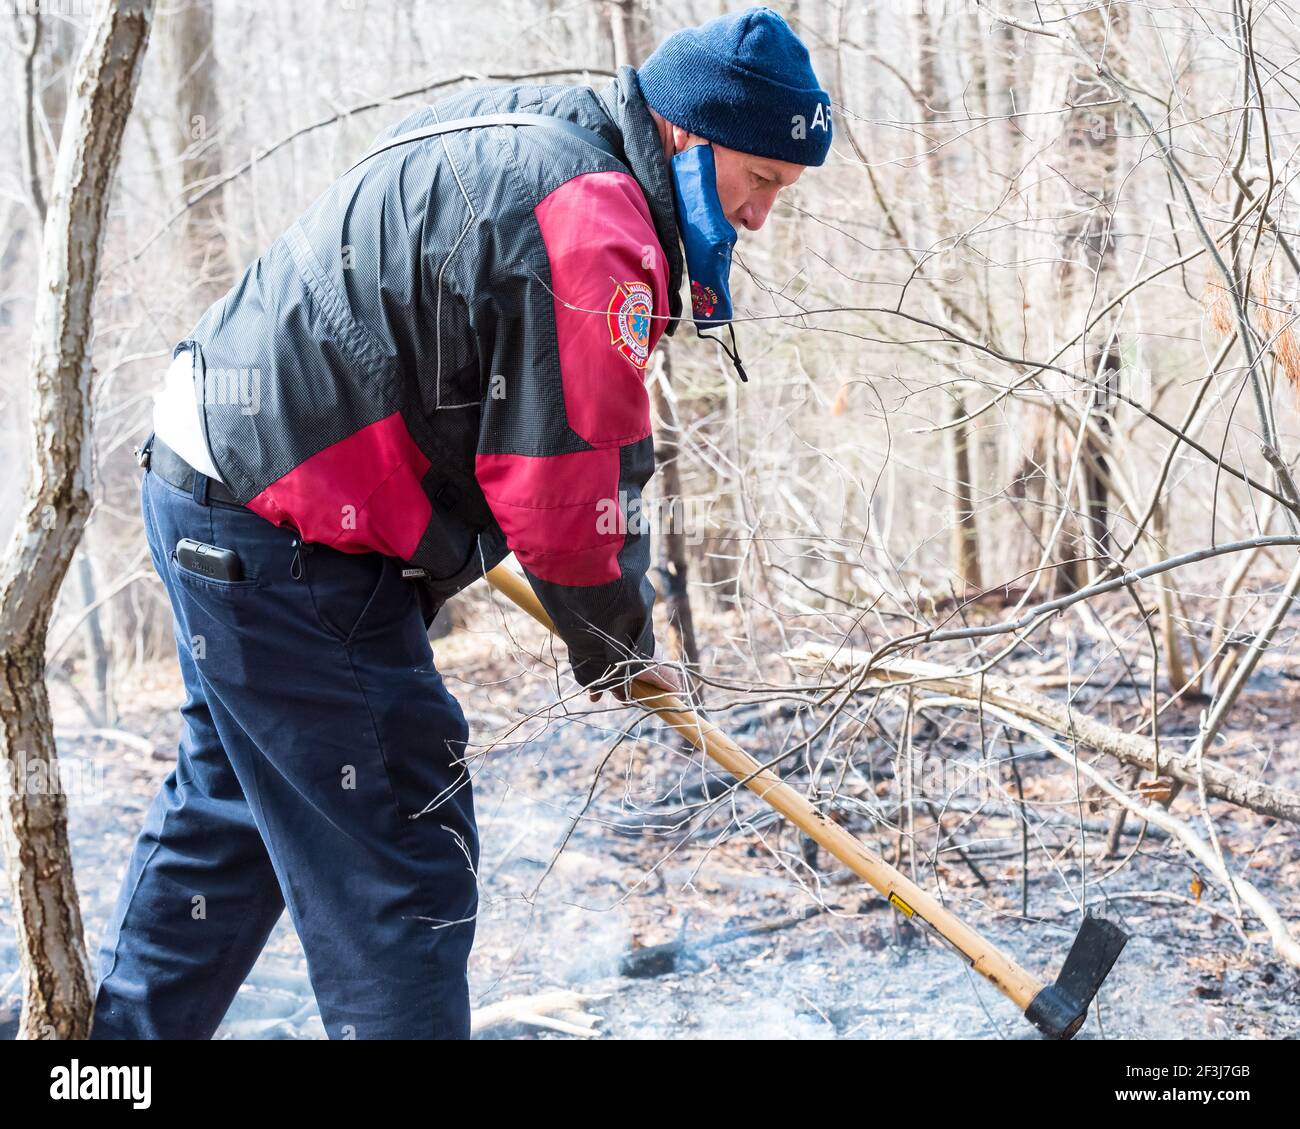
(171, 468)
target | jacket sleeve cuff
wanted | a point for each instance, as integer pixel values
(605, 670)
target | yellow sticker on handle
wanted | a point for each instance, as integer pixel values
(901, 905)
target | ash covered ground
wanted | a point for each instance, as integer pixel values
(679, 908)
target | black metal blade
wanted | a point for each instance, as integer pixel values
(1060, 1009)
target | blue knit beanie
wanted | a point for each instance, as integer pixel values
(745, 81)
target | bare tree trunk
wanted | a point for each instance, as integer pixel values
(98, 657)
(46, 46)
(965, 533)
(57, 998)
(673, 565)
(187, 50)
(1096, 476)
(31, 155)
(631, 34)
(932, 209)
(630, 30)
(1079, 536)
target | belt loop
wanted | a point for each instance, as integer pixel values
(143, 452)
(200, 491)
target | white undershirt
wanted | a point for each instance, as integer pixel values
(176, 419)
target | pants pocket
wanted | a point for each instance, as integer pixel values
(354, 594)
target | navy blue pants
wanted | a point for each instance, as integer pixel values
(320, 767)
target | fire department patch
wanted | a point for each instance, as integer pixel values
(629, 313)
(703, 300)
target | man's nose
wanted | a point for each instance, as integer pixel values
(752, 215)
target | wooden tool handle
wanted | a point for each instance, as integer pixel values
(902, 893)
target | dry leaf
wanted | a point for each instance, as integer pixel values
(1155, 791)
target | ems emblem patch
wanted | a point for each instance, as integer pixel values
(629, 313)
(703, 300)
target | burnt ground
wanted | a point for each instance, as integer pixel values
(690, 911)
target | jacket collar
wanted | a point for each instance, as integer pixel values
(645, 157)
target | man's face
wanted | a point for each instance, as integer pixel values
(747, 185)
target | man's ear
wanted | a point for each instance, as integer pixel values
(684, 139)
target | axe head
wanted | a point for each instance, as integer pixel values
(1060, 1009)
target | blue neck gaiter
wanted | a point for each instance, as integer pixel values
(708, 239)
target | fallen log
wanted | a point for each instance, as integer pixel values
(559, 1010)
(1058, 717)
(659, 960)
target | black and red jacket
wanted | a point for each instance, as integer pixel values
(446, 358)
